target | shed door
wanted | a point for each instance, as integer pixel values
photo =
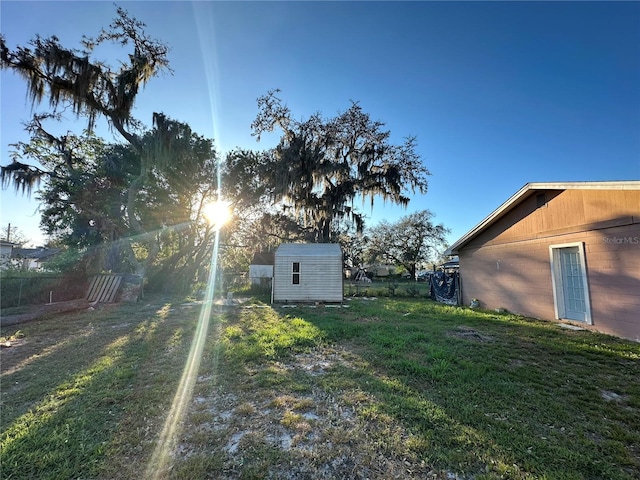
(571, 294)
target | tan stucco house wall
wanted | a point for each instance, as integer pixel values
(567, 251)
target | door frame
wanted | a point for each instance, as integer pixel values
(557, 281)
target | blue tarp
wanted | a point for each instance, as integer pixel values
(444, 287)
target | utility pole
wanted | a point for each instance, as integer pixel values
(8, 232)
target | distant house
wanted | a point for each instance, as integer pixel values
(450, 265)
(5, 253)
(33, 258)
(308, 272)
(379, 270)
(261, 268)
(567, 251)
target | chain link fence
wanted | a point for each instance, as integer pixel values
(17, 291)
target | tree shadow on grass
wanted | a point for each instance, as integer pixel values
(92, 370)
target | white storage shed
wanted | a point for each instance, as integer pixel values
(307, 272)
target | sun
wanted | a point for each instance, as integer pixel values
(217, 213)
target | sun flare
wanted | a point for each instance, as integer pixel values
(217, 213)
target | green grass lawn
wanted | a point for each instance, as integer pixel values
(382, 388)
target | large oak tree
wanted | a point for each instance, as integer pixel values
(321, 166)
(412, 240)
(126, 195)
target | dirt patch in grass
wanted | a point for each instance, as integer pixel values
(367, 320)
(612, 396)
(469, 333)
(306, 434)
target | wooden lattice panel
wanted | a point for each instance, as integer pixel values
(104, 288)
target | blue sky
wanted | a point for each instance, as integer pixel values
(498, 94)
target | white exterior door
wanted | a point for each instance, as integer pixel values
(572, 284)
(569, 278)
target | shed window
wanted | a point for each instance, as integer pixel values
(296, 273)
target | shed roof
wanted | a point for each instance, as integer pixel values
(309, 249)
(262, 258)
(528, 190)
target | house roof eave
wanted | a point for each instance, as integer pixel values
(524, 192)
